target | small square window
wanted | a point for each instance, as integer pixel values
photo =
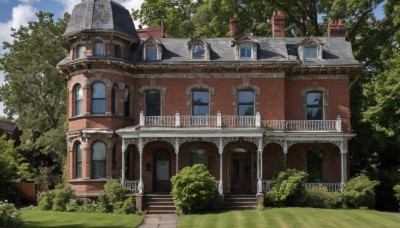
(310, 52)
(198, 51)
(246, 51)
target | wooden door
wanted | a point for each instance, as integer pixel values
(241, 172)
(162, 171)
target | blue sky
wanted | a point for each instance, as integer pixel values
(14, 13)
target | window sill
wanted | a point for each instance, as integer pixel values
(88, 180)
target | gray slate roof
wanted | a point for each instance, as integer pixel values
(7, 126)
(100, 15)
(336, 51)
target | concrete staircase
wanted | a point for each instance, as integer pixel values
(159, 204)
(239, 202)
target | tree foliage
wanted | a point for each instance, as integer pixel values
(34, 92)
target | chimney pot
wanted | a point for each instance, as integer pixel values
(233, 27)
(336, 28)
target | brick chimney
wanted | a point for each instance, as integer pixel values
(233, 27)
(278, 23)
(336, 28)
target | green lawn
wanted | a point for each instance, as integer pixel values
(292, 217)
(38, 218)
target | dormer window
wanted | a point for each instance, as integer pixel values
(246, 48)
(152, 49)
(151, 52)
(310, 49)
(311, 52)
(198, 51)
(246, 51)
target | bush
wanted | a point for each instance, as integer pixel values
(359, 192)
(62, 197)
(126, 207)
(288, 189)
(87, 206)
(115, 191)
(320, 197)
(103, 204)
(194, 190)
(72, 206)
(396, 190)
(46, 200)
(9, 215)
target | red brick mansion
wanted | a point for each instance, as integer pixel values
(141, 109)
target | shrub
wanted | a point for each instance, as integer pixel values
(103, 204)
(320, 197)
(46, 200)
(72, 206)
(396, 190)
(115, 191)
(194, 190)
(62, 197)
(359, 192)
(288, 189)
(9, 215)
(87, 206)
(126, 207)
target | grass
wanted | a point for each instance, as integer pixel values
(38, 218)
(292, 217)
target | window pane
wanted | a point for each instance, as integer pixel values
(114, 99)
(117, 51)
(126, 102)
(78, 161)
(79, 51)
(200, 110)
(198, 156)
(310, 52)
(153, 101)
(314, 98)
(99, 106)
(162, 170)
(151, 52)
(98, 49)
(198, 51)
(98, 169)
(200, 97)
(314, 106)
(246, 50)
(99, 90)
(200, 103)
(246, 110)
(98, 160)
(314, 114)
(78, 100)
(246, 97)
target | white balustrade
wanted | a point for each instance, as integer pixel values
(302, 125)
(131, 185)
(267, 185)
(198, 121)
(239, 121)
(159, 121)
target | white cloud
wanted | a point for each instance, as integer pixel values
(68, 4)
(21, 15)
(29, 2)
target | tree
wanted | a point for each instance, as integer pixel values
(34, 92)
(11, 168)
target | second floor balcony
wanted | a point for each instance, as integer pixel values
(232, 121)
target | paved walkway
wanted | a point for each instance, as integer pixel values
(160, 221)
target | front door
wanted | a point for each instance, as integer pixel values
(162, 174)
(241, 172)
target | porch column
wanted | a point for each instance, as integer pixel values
(285, 151)
(177, 154)
(140, 147)
(123, 161)
(220, 151)
(259, 166)
(343, 162)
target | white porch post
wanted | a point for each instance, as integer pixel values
(221, 151)
(259, 166)
(140, 185)
(123, 161)
(177, 154)
(343, 162)
(285, 151)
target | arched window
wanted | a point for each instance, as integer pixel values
(79, 52)
(315, 109)
(98, 98)
(98, 48)
(246, 51)
(198, 156)
(198, 51)
(78, 100)
(245, 102)
(153, 103)
(98, 160)
(315, 169)
(127, 95)
(114, 99)
(117, 51)
(78, 161)
(151, 52)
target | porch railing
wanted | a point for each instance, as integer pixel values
(267, 185)
(131, 185)
(241, 121)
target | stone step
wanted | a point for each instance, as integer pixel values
(161, 211)
(161, 207)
